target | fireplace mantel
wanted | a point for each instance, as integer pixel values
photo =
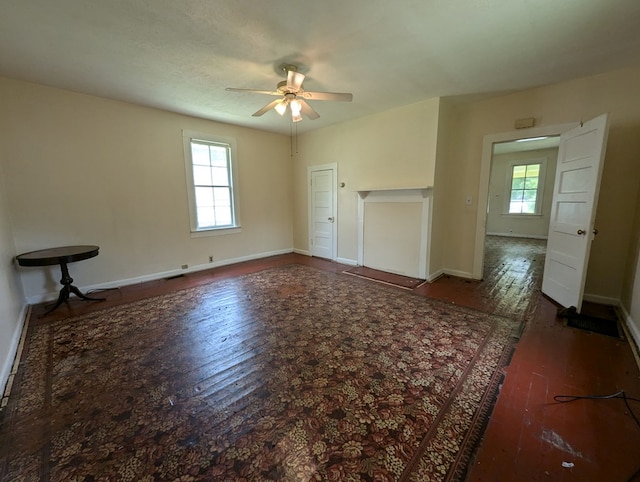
(364, 192)
(373, 197)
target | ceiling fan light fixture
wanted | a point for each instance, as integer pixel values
(296, 117)
(281, 108)
(296, 107)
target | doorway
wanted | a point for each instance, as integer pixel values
(501, 144)
(573, 207)
(322, 181)
(519, 204)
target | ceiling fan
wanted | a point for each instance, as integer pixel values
(293, 97)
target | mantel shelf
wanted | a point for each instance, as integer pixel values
(363, 192)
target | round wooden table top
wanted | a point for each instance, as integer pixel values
(51, 256)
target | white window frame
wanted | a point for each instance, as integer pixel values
(540, 193)
(187, 137)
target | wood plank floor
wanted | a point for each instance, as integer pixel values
(529, 436)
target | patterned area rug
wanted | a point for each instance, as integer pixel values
(289, 374)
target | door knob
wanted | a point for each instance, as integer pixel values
(595, 231)
(581, 231)
(330, 219)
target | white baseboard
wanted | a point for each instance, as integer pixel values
(635, 333)
(347, 261)
(7, 370)
(459, 274)
(434, 276)
(350, 262)
(633, 329)
(155, 276)
(601, 300)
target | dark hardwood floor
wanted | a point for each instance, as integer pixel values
(529, 436)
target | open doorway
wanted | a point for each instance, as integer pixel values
(569, 225)
(518, 209)
(574, 200)
(508, 145)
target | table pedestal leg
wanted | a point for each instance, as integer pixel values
(68, 288)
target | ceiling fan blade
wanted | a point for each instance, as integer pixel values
(344, 97)
(253, 91)
(294, 80)
(267, 107)
(308, 110)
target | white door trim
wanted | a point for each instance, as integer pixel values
(485, 172)
(310, 211)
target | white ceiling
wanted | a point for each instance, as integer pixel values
(180, 55)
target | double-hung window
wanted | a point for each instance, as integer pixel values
(211, 183)
(525, 185)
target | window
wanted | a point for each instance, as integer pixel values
(211, 184)
(525, 184)
(524, 188)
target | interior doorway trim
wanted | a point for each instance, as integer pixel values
(333, 166)
(485, 171)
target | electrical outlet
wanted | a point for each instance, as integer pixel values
(185, 266)
(210, 259)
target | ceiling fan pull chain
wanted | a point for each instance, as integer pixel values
(291, 137)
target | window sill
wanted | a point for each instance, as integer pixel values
(215, 232)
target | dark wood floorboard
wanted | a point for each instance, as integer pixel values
(529, 436)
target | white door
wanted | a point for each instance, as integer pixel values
(322, 213)
(575, 198)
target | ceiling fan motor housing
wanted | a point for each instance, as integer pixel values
(283, 89)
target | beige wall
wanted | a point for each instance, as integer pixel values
(447, 130)
(513, 225)
(86, 170)
(617, 93)
(394, 149)
(11, 294)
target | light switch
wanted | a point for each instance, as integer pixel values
(468, 200)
